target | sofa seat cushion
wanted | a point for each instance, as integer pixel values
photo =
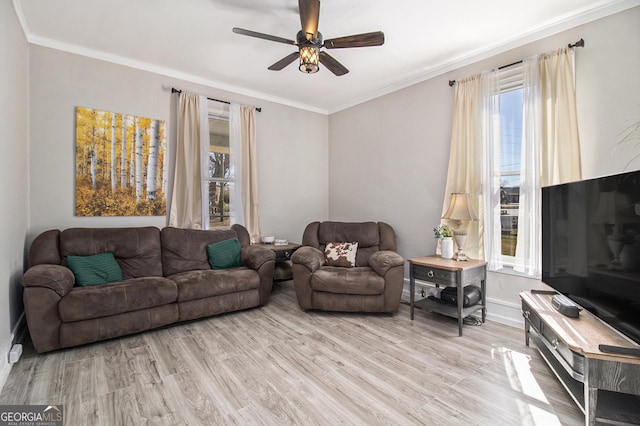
(358, 280)
(82, 303)
(207, 283)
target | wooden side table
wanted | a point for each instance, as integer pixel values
(447, 272)
(283, 264)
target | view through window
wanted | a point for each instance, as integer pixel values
(510, 144)
(219, 172)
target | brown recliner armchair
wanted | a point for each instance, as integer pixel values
(374, 284)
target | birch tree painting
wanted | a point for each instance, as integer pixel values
(120, 164)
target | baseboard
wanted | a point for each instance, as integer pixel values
(501, 311)
(18, 334)
(507, 313)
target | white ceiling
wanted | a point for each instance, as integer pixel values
(192, 39)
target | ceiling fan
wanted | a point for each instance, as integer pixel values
(309, 41)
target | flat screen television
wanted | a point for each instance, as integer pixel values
(591, 246)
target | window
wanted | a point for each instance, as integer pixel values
(219, 179)
(510, 157)
(507, 149)
(528, 137)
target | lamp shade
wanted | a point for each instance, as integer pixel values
(460, 208)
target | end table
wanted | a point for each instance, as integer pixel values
(283, 264)
(448, 272)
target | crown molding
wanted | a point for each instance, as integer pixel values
(17, 7)
(568, 21)
(563, 23)
(167, 72)
(156, 69)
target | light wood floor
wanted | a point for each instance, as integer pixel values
(280, 365)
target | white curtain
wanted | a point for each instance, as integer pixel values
(242, 122)
(490, 216)
(465, 157)
(235, 167)
(188, 189)
(550, 152)
(560, 154)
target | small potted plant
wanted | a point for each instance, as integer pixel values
(444, 233)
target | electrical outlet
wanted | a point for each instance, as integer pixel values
(14, 353)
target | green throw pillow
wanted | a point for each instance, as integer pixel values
(224, 254)
(99, 268)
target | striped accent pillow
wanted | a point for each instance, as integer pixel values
(224, 254)
(98, 268)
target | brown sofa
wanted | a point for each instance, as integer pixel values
(373, 285)
(166, 279)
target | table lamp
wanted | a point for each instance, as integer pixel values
(460, 212)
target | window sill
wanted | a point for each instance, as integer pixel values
(508, 270)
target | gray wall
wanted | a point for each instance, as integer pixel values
(14, 180)
(388, 157)
(292, 170)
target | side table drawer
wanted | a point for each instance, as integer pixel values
(434, 275)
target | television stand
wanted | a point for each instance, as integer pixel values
(605, 385)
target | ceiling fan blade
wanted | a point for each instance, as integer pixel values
(309, 17)
(284, 61)
(359, 40)
(332, 65)
(263, 36)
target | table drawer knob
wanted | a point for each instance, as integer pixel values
(430, 274)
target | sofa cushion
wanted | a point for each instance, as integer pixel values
(341, 254)
(92, 330)
(224, 254)
(83, 303)
(137, 250)
(358, 280)
(185, 250)
(98, 268)
(206, 283)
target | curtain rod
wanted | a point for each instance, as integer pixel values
(174, 90)
(579, 43)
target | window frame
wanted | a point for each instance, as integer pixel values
(216, 112)
(510, 78)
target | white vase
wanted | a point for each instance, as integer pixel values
(446, 248)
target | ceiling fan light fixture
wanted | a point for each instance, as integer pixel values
(309, 57)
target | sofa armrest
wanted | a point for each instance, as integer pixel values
(254, 256)
(382, 261)
(310, 257)
(54, 277)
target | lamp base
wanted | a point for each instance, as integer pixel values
(460, 238)
(460, 256)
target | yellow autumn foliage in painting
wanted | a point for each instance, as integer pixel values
(120, 164)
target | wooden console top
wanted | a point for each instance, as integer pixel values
(583, 334)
